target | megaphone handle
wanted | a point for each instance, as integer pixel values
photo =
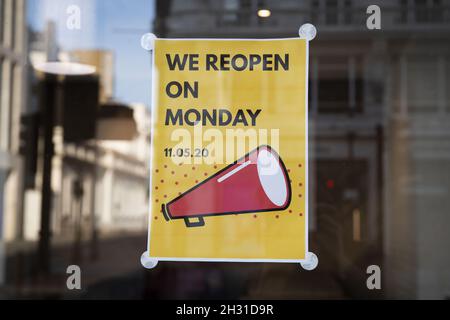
(199, 223)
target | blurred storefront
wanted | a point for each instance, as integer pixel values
(13, 99)
(380, 134)
(99, 186)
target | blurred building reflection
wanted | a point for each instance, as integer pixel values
(13, 76)
(100, 183)
(379, 109)
(99, 186)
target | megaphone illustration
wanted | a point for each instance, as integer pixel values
(258, 182)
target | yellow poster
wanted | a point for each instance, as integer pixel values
(229, 150)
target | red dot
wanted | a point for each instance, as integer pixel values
(330, 184)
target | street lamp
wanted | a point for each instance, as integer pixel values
(65, 68)
(52, 73)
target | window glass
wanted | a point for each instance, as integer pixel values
(75, 149)
(422, 84)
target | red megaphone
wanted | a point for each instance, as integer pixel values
(257, 182)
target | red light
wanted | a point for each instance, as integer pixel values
(330, 184)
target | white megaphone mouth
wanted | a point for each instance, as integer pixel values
(272, 177)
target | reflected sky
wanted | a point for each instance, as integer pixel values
(117, 27)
